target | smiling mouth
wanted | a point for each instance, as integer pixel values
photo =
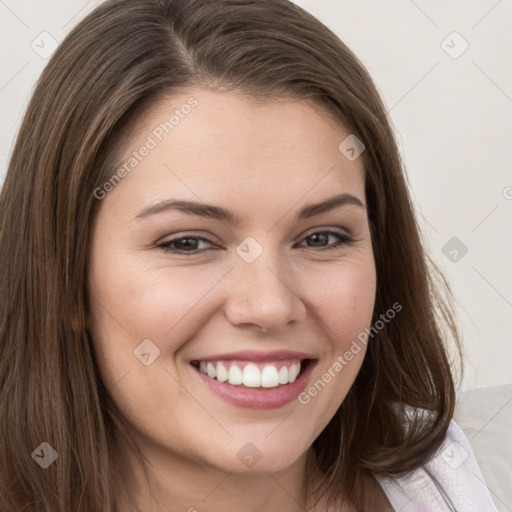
(266, 375)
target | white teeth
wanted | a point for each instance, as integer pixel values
(222, 373)
(293, 372)
(235, 375)
(212, 372)
(269, 377)
(283, 375)
(251, 376)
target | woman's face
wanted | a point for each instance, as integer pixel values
(251, 288)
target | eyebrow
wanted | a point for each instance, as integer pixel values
(230, 217)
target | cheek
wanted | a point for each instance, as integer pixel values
(160, 303)
(132, 302)
(344, 301)
(343, 298)
(141, 296)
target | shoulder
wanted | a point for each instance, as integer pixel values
(451, 480)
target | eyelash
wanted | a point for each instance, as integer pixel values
(343, 240)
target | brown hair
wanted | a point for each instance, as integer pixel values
(122, 55)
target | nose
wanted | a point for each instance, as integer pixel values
(263, 294)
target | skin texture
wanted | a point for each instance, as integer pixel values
(264, 161)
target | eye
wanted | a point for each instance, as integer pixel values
(321, 237)
(188, 245)
(184, 245)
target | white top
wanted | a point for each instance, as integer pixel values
(451, 481)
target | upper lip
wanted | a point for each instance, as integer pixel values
(257, 356)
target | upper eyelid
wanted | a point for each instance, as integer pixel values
(338, 229)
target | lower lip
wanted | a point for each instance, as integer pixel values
(259, 398)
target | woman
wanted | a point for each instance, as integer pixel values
(215, 296)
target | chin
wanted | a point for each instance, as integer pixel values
(259, 456)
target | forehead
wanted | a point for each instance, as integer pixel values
(227, 146)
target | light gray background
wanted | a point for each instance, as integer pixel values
(452, 113)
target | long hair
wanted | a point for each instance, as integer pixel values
(122, 56)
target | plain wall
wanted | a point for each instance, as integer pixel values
(451, 111)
